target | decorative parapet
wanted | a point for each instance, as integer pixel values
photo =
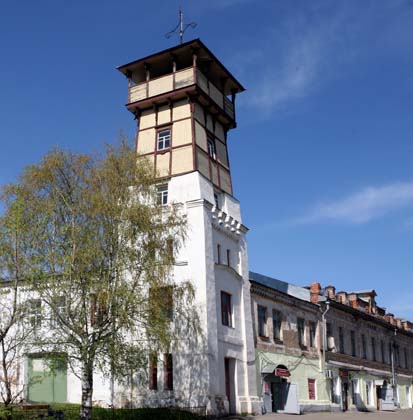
(226, 222)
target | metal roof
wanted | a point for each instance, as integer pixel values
(282, 286)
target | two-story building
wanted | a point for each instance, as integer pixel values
(288, 337)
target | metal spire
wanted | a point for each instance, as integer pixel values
(180, 28)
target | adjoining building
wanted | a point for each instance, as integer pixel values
(369, 354)
(288, 337)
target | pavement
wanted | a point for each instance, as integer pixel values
(349, 415)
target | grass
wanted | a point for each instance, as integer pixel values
(71, 412)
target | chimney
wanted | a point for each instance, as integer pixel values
(389, 318)
(342, 297)
(315, 290)
(353, 300)
(406, 325)
(330, 292)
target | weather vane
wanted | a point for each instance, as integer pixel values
(180, 28)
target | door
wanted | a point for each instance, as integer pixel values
(345, 396)
(46, 383)
(292, 405)
(378, 397)
(277, 398)
(387, 401)
(285, 398)
(408, 396)
(230, 383)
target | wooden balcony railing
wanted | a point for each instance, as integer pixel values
(177, 80)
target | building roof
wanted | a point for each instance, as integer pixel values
(183, 52)
(364, 292)
(282, 286)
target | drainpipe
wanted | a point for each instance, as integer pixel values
(393, 372)
(324, 324)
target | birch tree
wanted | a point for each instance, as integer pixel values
(14, 331)
(98, 245)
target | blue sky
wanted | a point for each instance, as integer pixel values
(322, 156)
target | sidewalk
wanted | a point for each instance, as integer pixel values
(349, 415)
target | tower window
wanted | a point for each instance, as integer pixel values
(153, 371)
(169, 382)
(216, 201)
(226, 309)
(212, 151)
(162, 194)
(164, 139)
(218, 253)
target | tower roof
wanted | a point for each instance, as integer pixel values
(182, 54)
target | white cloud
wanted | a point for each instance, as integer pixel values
(309, 46)
(363, 206)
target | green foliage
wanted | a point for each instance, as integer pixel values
(95, 243)
(71, 412)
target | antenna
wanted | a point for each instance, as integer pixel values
(180, 28)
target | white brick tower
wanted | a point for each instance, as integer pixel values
(183, 100)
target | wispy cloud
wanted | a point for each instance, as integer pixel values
(361, 207)
(307, 47)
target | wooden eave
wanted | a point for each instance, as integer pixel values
(232, 84)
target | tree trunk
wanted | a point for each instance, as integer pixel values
(6, 380)
(87, 391)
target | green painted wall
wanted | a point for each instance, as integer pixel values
(46, 384)
(301, 368)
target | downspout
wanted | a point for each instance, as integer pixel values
(324, 325)
(393, 371)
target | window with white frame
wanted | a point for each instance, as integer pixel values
(212, 151)
(164, 139)
(313, 331)
(300, 331)
(58, 310)
(226, 309)
(262, 321)
(162, 194)
(276, 325)
(34, 308)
